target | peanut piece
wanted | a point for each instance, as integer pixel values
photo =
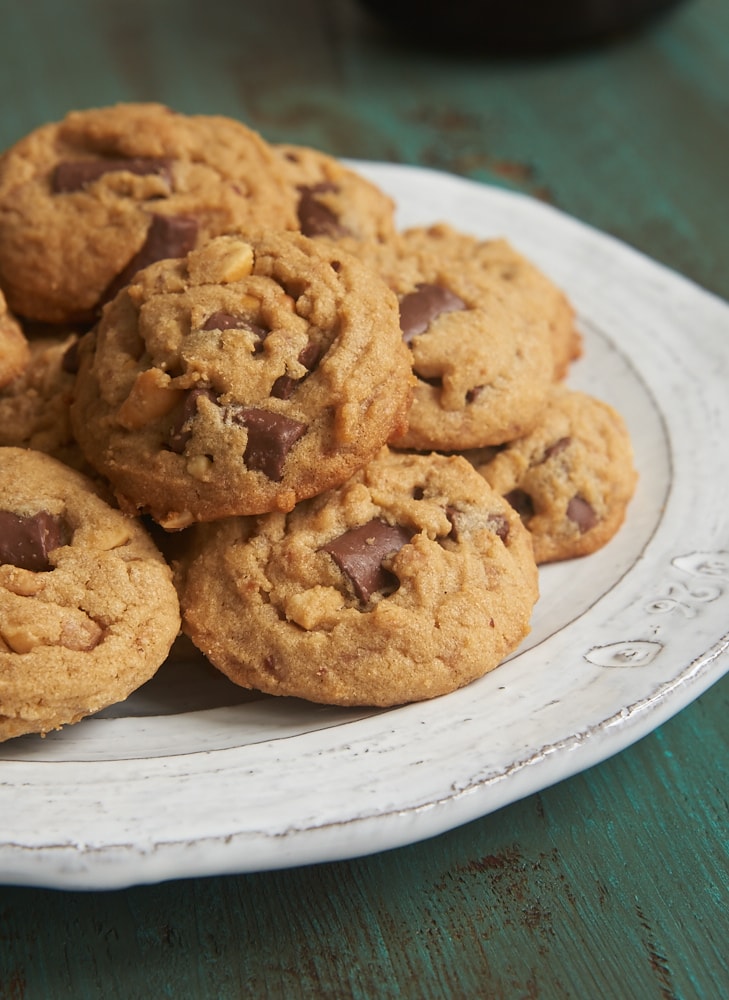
(150, 398)
(221, 261)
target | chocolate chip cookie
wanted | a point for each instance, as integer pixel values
(333, 200)
(571, 478)
(408, 581)
(241, 379)
(88, 610)
(512, 275)
(481, 347)
(86, 202)
(14, 351)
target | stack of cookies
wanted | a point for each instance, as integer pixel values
(352, 445)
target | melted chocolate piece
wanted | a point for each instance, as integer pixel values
(582, 514)
(74, 175)
(556, 448)
(500, 526)
(270, 438)
(222, 320)
(418, 309)
(285, 384)
(359, 554)
(521, 502)
(25, 541)
(316, 218)
(168, 236)
(181, 430)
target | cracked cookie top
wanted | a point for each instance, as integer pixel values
(487, 332)
(411, 579)
(241, 379)
(88, 201)
(88, 611)
(571, 478)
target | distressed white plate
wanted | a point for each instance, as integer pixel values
(191, 777)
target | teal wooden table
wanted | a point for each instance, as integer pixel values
(614, 883)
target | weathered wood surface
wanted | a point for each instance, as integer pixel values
(614, 883)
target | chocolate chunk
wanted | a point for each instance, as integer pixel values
(285, 384)
(181, 430)
(499, 525)
(436, 380)
(582, 514)
(222, 320)
(418, 309)
(452, 513)
(521, 502)
(359, 554)
(74, 175)
(25, 541)
(556, 448)
(315, 217)
(168, 236)
(270, 438)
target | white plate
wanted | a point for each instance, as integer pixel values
(189, 777)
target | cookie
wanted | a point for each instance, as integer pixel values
(14, 351)
(481, 349)
(509, 269)
(241, 379)
(88, 610)
(35, 406)
(571, 478)
(87, 201)
(411, 580)
(333, 200)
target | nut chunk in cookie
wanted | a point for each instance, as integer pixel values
(412, 579)
(241, 379)
(88, 201)
(88, 610)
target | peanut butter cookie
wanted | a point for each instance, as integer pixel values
(571, 478)
(86, 202)
(88, 611)
(481, 344)
(241, 379)
(408, 581)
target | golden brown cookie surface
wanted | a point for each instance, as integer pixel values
(571, 478)
(409, 581)
(241, 379)
(87, 201)
(14, 350)
(512, 276)
(88, 611)
(481, 345)
(333, 200)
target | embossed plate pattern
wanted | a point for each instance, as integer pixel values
(192, 777)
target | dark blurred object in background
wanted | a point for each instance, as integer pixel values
(514, 26)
